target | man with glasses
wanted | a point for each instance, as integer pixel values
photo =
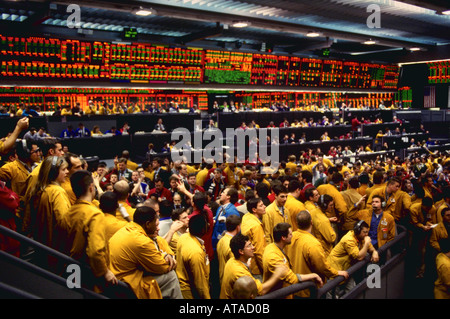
(16, 173)
(276, 212)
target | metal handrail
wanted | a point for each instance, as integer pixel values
(66, 259)
(331, 284)
(46, 274)
(15, 293)
(336, 281)
(292, 289)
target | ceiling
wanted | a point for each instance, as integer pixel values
(278, 26)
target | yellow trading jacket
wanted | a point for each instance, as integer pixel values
(30, 184)
(272, 217)
(134, 257)
(403, 205)
(362, 189)
(50, 225)
(371, 189)
(274, 256)
(417, 218)
(233, 177)
(386, 227)
(132, 165)
(442, 284)
(252, 227)
(235, 269)
(439, 212)
(345, 253)
(310, 206)
(135, 109)
(174, 242)
(323, 230)
(112, 225)
(294, 206)
(68, 188)
(130, 210)
(351, 197)
(437, 233)
(223, 253)
(391, 203)
(339, 202)
(202, 177)
(86, 240)
(17, 174)
(193, 267)
(307, 256)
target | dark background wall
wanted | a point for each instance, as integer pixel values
(416, 77)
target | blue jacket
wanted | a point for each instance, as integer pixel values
(67, 134)
(221, 215)
(79, 132)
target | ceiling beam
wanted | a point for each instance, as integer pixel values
(307, 45)
(224, 18)
(200, 35)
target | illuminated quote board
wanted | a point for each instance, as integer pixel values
(439, 72)
(51, 58)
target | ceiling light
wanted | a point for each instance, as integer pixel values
(313, 34)
(143, 12)
(240, 24)
(447, 12)
(415, 49)
(369, 42)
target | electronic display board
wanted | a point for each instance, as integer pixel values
(439, 72)
(51, 58)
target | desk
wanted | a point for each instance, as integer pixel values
(385, 115)
(234, 120)
(105, 147)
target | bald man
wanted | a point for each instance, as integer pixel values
(245, 288)
(125, 211)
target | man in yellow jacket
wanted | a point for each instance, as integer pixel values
(340, 207)
(353, 247)
(382, 224)
(276, 212)
(322, 228)
(74, 162)
(252, 227)
(85, 229)
(377, 180)
(233, 226)
(237, 267)
(50, 147)
(143, 259)
(307, 254)
(133, 108)
(423, 217)
(193, 268)
(389, 195)
(274, 256)
(444, 205)
(441, 230)
(108, 205)
(125, 211)
(355, 202)
(442, 283)
(312, 198)
(16, 173)
(293, 203)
